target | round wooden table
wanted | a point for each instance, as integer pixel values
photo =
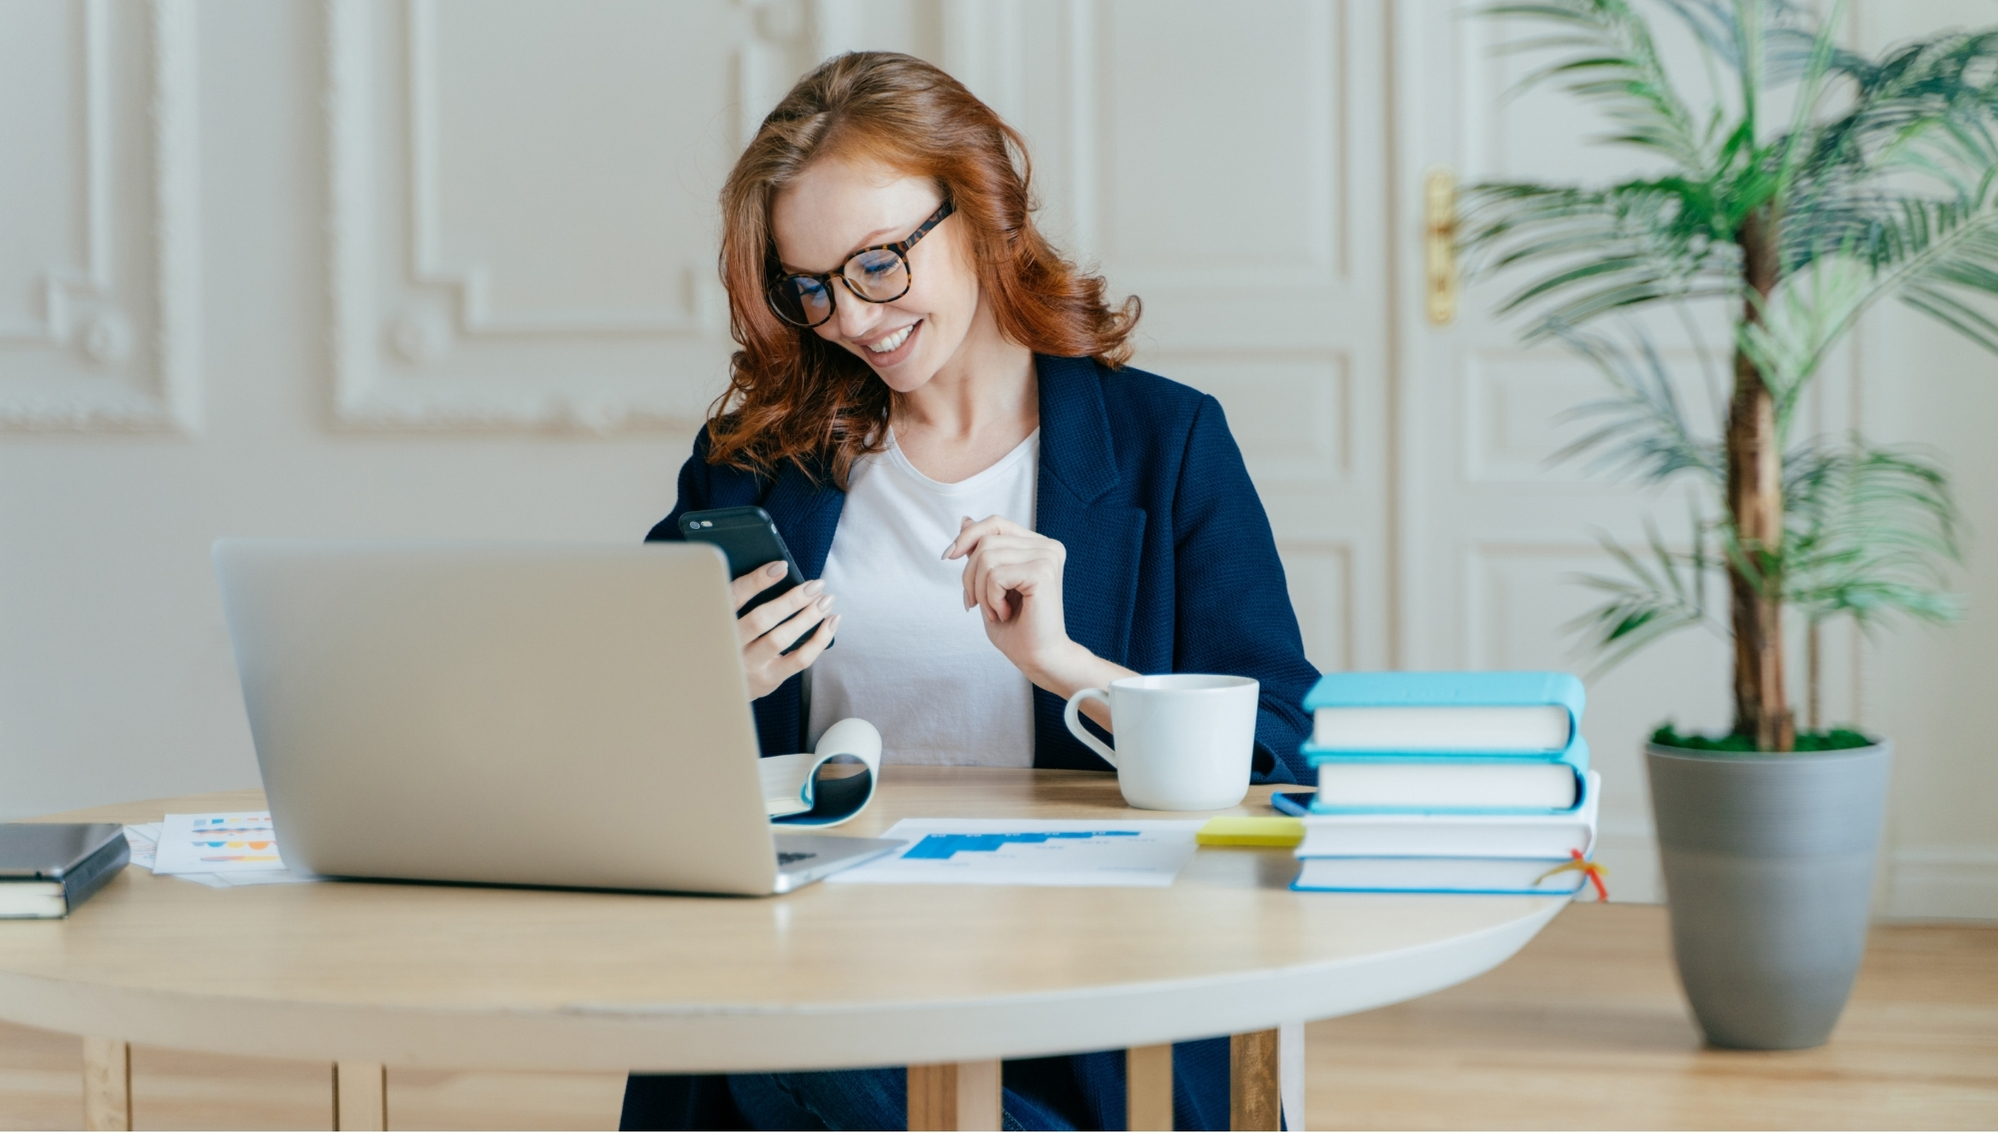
(951, 977)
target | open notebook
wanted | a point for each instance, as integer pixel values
(827, 785)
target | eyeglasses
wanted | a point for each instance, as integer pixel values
(879, 274)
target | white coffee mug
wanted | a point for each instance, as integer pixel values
(1185, 741)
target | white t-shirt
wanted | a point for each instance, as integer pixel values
(910, 659)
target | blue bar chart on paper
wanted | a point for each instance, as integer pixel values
(960, 851)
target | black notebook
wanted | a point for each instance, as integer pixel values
(49, 868)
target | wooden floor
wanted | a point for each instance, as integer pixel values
(1584, 1029)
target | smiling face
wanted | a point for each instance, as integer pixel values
(835, 208)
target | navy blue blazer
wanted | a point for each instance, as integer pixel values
(1171, 564)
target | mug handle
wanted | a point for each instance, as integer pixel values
(1070, 717)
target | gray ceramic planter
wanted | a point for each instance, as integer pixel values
(1769, 873)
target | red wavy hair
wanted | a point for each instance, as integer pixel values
(792, 396)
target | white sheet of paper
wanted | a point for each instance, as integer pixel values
(144, 841)
(981, 851)
(272, 877)
(217, 844)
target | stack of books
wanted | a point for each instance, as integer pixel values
(1448, 783)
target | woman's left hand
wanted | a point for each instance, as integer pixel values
(1013, 576)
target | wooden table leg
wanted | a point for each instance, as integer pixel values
(1148, 1087)
(959, 1095)
(1254, 1098)
(107, 1084)
(360, 1095)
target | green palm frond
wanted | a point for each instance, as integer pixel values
(1660, 593)
(1808, 315)
(1895, 101)
(1640, 431)
(1936, 256)
(1609, 249)
(1955, 268)
(1913, 156)
(1928, 111)
(1713, 24)
(1637, 242)
(1868, 531)
(1785, 30)
(1614, 63)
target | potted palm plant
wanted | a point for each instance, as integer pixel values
(1878, 181)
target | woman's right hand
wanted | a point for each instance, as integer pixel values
(764, 640)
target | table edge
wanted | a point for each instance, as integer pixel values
(684, 1038)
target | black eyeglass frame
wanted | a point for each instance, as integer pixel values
(824, 279)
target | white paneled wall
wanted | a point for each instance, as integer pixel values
(446, 268)
(98, 319)
(1931, 689)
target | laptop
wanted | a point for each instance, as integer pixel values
(513, 714)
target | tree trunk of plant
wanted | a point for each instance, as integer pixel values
(1755, 504)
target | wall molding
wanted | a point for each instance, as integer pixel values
(1326, 231)
(113, 389)
(1942, 883)
(1488, 375)
(1922, 883)
(93, 82)
(471, 282)
(984, 47)
(414, 342)
(1475, 578)
(1634, 875)
(1338, 552)
(1193, 365)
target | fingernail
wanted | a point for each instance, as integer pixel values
(814, 586)
(947, 550)
(826, 602)
(964, 522)
(774, 569)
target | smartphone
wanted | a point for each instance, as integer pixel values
(750, 540)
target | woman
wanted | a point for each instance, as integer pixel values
(930, 403)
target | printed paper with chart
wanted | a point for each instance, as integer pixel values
(1091, 852)
(217, 843)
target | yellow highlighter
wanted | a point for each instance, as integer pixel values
(1283, 833)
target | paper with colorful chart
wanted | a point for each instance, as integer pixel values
(217, 843)
(1065, 852)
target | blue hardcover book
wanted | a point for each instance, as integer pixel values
(1538, 877)
(1452, 716)
(1493, 687)
(1453, 784)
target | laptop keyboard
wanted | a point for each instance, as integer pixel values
(786, 857)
